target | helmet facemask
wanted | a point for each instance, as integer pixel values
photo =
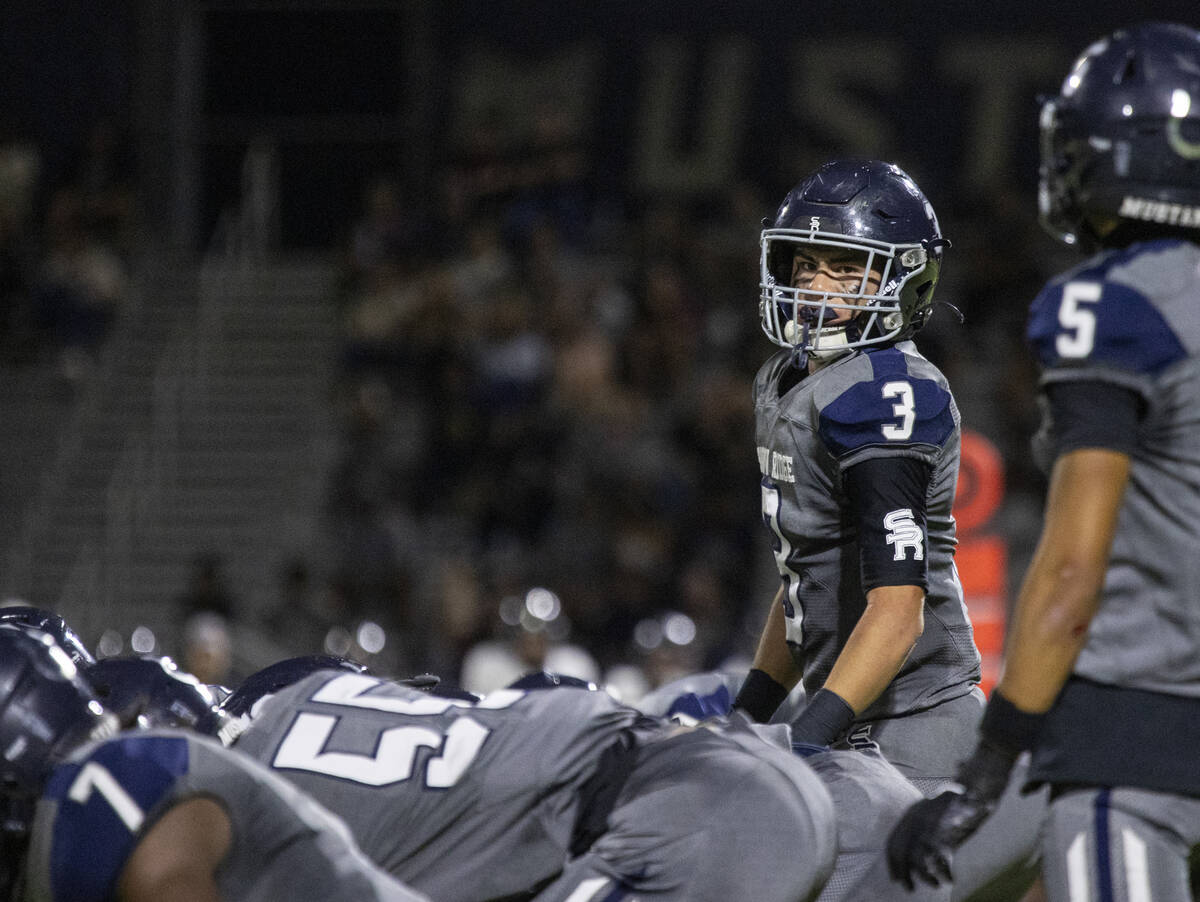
(890, 300)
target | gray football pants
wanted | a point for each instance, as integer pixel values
(1000, 861)
(926, 746)
(1120, 845)
(703, 819)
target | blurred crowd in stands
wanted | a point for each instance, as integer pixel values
(539, 392)
(546, 450)
(67, 227)
(546, 389)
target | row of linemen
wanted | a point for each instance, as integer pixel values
(126, 779)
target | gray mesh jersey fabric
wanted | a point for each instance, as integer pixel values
(1132, 318)
(482, 797)
(879, 403)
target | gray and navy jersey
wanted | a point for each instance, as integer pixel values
(460, 800)
(870, 405)
(98, 805)
(1131, 317)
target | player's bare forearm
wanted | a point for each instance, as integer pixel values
(178, 857)
(881, 640)
(773, 656)
(1061, 590)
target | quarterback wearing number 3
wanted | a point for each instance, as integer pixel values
(858, 445)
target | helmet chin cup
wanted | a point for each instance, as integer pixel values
(826, 343)
(830, 344)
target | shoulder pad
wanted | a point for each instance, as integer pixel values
(103, 799)
(892, 408)
(1090, 320)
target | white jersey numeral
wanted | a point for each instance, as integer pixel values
(1079, 322)
(392, 762)
(96, 777)
(904, 409)
(395, 756)
(783, 548)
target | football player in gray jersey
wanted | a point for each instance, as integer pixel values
(858, 446)
(92, 814)
(1102, 664)
(560, 795)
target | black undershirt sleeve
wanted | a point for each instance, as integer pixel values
(887, 502)
(1094, 414)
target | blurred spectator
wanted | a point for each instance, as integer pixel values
(530, 635)
(299, 617)
(387, 234)
(207, 648)
(208, 590)
(103, 173)
(81, 285)
(20, 166)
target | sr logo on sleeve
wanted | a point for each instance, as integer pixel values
(903, 533)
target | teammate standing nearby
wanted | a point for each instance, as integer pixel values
(90, 814)
(858, 445)
(1102, 668)
(556, 795)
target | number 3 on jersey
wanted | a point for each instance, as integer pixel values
(904, 410)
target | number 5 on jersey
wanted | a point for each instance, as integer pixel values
(1079, 322)
(303, 748)
(395, 755)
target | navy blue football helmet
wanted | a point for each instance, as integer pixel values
(280, 675)
(49, 622)
(544, 679)
(47, 709)
(875, 212)
(150, 692)
(230, 717)
(1120, 142)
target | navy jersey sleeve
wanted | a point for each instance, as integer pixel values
(895, 411)
(1089, 327)
(1094, 414)
(103, 801)
(887, 501)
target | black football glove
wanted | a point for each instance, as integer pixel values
(922, 844)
